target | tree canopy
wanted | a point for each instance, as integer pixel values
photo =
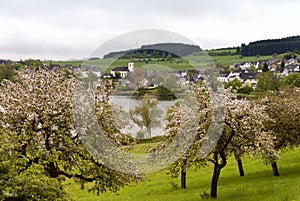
(36, 114)
(244, 131)
(268, 81)
(284, 110)
(293, 79)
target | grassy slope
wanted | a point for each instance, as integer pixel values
(231, 59)
(258, 184)
(108, 64)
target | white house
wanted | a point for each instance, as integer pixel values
(242, 75)
(250, 77)
(245, 65)
(123, 70)
(234, 74)
(290, 69)
(223, 78)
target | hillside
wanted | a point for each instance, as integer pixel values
(153, 54)
(161, 50)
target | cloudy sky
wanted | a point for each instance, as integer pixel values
(66, 29)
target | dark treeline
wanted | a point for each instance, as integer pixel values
(272, 46)
(148, 53)
(161, 50)
(178, 49)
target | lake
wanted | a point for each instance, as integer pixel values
(127, 103)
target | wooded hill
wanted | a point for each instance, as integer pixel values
(161, 50)
(271, 46)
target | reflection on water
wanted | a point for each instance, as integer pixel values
(127, 103)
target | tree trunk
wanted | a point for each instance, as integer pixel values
(183, 175)
(275, 169)
(52, 170)
(218, 166)
(183, 179)
(214, 181)
(241, 168)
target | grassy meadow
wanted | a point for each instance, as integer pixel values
(231, 59)
(257, 184)
(194, 61)
(105, 65)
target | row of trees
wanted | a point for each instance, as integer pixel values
(266, 81)
(142, 54)
(264, 127)
(273, 82)
(270, 47)
(9, 68)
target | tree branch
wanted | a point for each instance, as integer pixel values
(228, 140)
(79, 176)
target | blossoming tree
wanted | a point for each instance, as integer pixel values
(37, 109)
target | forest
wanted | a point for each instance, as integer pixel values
(160, 50)
(271, 46)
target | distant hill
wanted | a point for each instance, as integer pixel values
(272, 46)
(160, 50)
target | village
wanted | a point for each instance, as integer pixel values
(246, 72)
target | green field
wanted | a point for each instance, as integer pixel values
(231, 59)
(106, 65)
(224, 57)
(257, 184)
(219, 57)
(189, 62)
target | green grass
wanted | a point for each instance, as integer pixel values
(231, 59)
(142, 148)
(108, 64)
(196, 60)
(154, 64)
(221, 56)
(192, 62)
(258, 183)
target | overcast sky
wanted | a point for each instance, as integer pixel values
(66, 29)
